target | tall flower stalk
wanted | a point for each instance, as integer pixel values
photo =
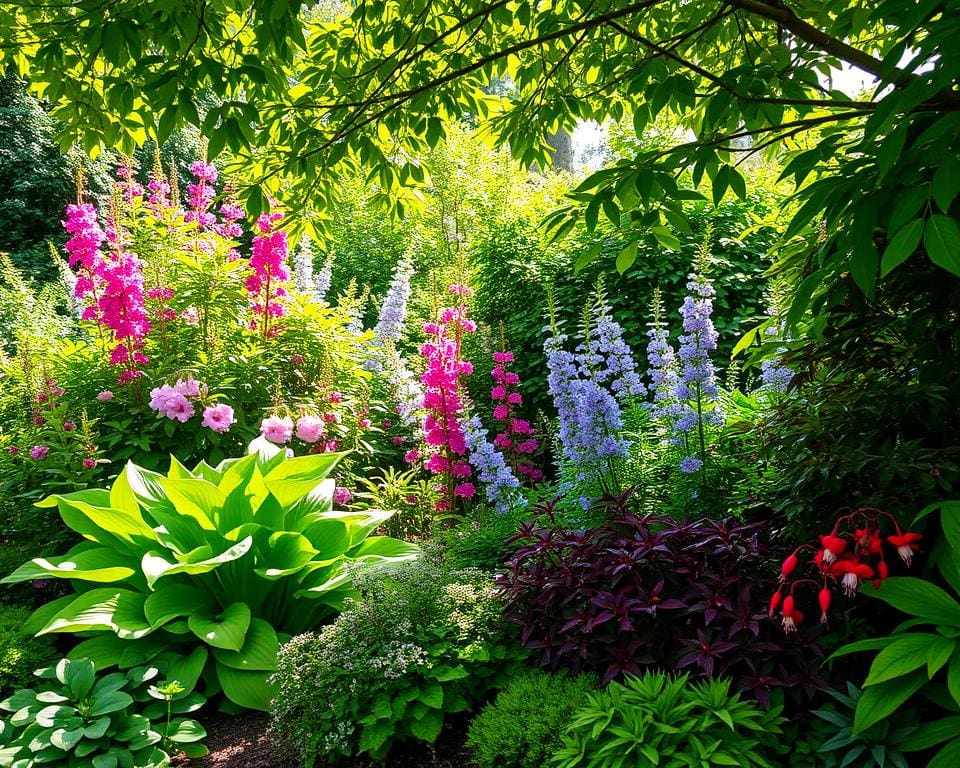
(267, 283)
(443, 427)
(500, 484)
(303, 265)
(321, 283)
(393, 313)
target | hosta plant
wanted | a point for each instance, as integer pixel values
(659, 720)
(77, 720)
(203, 573)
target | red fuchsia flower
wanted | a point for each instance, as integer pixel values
(364, 423)
(906, 544)
(465, 490)
(824, 599)
(789, 614)
(832, 546)
(775, 601)
(851, 574)
(789, 566)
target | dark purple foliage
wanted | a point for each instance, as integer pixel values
(642, 591)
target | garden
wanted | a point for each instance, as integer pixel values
(413, 383)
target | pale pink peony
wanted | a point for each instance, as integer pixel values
(218, 417)
(310, 428)
(277, 429)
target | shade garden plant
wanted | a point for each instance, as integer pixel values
(205, 572)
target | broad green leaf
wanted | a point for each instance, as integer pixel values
(248, 689)
(941, 239)
(385, 548)
(295, 478)
(904, 655)
(930, 734)
(101, 524)
(225, 630)
(375, 735)
(181, 731)
(171, 600)
(883, 699)
(186, 670)
(901, 246)
(286, 554)
(196, 498)
(948, 757)
(917, 597)
(114, 609)
(155, 566)
(428, 727)
(100, 565)
(259, 651)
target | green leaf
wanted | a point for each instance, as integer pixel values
(155, 566)
(248, 689)
(428, 727)
(432, 696)
(627, 257)
(946, 181)
(113, 609)
(941, 239)
(375, 735)
(187, 669)
(171, 600)
(930, 734)
(917, 597)
(294, 478)
(184, 731)
(904, 655)
(948, 757)
(259, 651)
(882, 700)
(226, 630)
(901, 246)
(99, 564)
(666, 238)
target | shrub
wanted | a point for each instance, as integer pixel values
(207, 570)
(481, 541)
(76, 719)
(20, 654)
(658, 720)
(421, 643)
(525, 725)
(650, 590)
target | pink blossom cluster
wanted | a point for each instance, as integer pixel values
(270, 272)
(516, 437)
(443, 426)
(178, 402)
(112, 285)
(201, 194)
(309, 428)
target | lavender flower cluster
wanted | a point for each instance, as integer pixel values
(606, 357)
(303, 265)
(408, 391)
(393, 311)
(321, 283)
(500, 484)
(590, 419)
(774, 376)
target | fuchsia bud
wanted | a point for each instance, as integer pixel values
(824, 599)
(775, 602)
(789, 566)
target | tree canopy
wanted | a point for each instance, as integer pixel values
(299, 96)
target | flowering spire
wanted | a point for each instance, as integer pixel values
(322, 280)
(269, 264)
(774, 376)
(393, 311)
(442, 425)
(516, 436)
(500, 484)
(606, 357)
(303, 265)
(663, 364)
(696, 388)
(408, 392)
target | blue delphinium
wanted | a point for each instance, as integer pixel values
(607, 358)
(393, 313)
(663, 365)
(499, 482)
(774, 376)
(590, 419)
(321, 282)
(303, 265)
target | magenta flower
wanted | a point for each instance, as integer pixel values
(269, 264)
(310, 428)
(277, 429)
(105, 396)
(342, 496)
(39, 452)
(89, 463)
(218, 417)
(465, 490)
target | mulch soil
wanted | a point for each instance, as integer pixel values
(243, 741)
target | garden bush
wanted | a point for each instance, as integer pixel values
(643, 591)
(525, 725)
(420, 644)
(74, 719)
(20, 654)
(207, 571)
(658, 720)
